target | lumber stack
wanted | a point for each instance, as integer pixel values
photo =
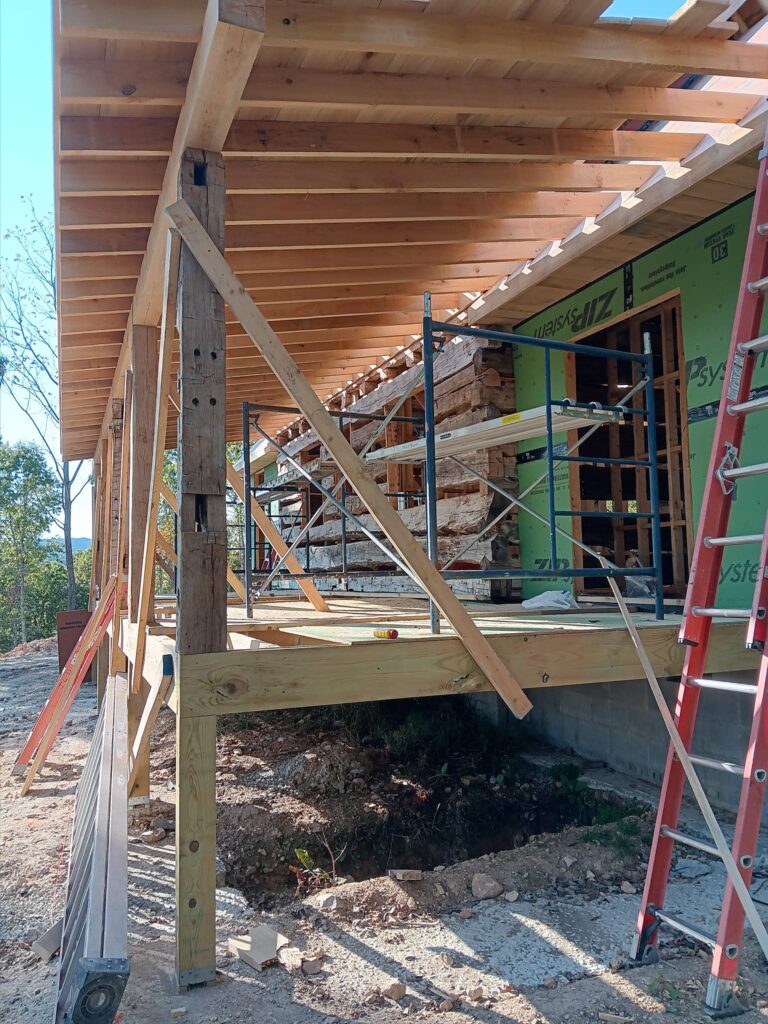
(473, 383)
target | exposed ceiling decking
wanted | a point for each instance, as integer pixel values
(380, 149)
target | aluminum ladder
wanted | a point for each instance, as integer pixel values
(736, 410)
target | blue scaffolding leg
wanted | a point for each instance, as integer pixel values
(653, 479)
(247, 504)
(430, 461)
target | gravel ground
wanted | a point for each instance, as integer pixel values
(549, 949)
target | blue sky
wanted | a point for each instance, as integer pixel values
(26, 156)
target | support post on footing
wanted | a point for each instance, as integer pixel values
(202, 566)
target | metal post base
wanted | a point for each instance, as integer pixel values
(721, 1000)
(191, 979)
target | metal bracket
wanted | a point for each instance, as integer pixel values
(198, 976)
(730, 460)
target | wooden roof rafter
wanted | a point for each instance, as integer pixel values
(368, 146)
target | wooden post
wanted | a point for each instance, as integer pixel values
(116, 454)
(139, 790)
(144, 362)
(201, 621)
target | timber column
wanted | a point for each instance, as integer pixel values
(144, 352)
(201, 621)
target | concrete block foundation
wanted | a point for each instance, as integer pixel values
(620, 724)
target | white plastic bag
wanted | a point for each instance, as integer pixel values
(551, 601)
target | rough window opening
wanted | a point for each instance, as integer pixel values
(616, 488)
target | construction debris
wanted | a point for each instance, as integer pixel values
(406, 874)
(485, 887)
(259, 947)
(153, 835)
(396, 990)
(49, 942)
(313, 964)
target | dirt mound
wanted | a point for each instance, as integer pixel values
(353, 802)
(330, 769)
(47, 645)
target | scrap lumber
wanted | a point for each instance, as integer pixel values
(216, 267)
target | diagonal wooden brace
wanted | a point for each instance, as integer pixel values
(285, 369)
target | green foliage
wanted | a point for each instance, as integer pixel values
(566, 777)
(30, 498)
(305, 858)
(613, 828)
(83, 559)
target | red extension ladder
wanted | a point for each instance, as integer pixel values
(737, 406)
(62, 696)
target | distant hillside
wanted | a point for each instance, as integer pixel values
(78, 543)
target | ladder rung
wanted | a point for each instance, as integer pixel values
(686, 840)
(755, 345)
(752, 405)
(741, 471)
(729, 542)
(722, 613)
(717, 766)
(724, 685)
(683, 926)
(760, 285)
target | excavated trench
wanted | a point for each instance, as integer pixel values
(348, 793)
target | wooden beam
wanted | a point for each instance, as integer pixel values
(243, 681)
(232, 34)
(229, 40)
(286, 370)
(201, 619)
(274, 538)
(144, 355)
(354, 257)
(315, 28)
(250, 175)
(121, 525)
(619, 218)
(285, 237)
(90, 270)
(155, 136)
(170, 555)
(147, 586)
(116, 412)
(137, 84)
(138, 211)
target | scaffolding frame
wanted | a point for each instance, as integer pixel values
(436, 334)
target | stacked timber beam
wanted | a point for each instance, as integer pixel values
(473, 383)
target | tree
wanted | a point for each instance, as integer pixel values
(30, 499)
(28, 357)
